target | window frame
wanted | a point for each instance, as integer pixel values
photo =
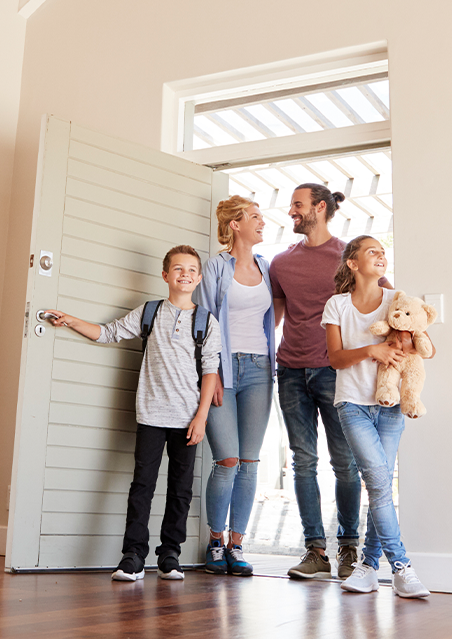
(180, 99)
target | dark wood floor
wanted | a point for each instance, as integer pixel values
(90, 605)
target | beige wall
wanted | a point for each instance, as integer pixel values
(11, 57)
(12, 41)
(103, 64)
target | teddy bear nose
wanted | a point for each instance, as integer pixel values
(397, 314)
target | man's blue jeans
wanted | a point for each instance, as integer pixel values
(373, 433)
(303, 393)
(236, 430)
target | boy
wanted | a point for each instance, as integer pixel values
(170, 408)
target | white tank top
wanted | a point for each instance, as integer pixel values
(247, 307)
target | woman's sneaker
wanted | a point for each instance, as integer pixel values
(216, 563)
(169, 568)
(363, 579)
(237, 566)
(406, 583)
(130, 568)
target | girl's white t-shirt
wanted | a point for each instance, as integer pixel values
(358, 383)
(247, 307)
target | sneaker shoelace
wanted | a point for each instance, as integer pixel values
(217, 552)
(237, 553)
(309, 557)
(406, 572)
(346, 554)
(360, 569)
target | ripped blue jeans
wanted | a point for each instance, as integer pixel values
(373, 434)
(236, 430)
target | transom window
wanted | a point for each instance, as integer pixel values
(332, 105)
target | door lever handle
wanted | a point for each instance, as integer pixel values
(42, 316)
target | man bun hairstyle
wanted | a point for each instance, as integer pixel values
(320, 193)
(345, 277)
(183, 249)
(228, 210)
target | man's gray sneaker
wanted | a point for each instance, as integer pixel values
(311, 566)
(363, 579)
(346, 558)
(406, 583)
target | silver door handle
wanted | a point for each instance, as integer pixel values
(42, 316)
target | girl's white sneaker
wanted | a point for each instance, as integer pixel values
(406, 583)
(363, 579)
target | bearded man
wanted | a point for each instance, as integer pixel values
(302, 280)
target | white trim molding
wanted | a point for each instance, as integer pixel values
(434, 569)
(28, 7)
(301, 145)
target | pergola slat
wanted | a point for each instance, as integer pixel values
(205, 137)
(285, 119)
(314, 113)
(257, 124)
(225, 126)
(375, 101)
(345, 107)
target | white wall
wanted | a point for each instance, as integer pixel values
(102, 64)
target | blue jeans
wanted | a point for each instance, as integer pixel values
(373, 433)
(303, 393)
(236, 429)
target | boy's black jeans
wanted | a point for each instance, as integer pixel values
(148, 456)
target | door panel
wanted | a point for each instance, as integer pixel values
(108, 210)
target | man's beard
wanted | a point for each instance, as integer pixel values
(307, 223)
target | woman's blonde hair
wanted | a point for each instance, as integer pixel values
(345, 278)
(227, 211)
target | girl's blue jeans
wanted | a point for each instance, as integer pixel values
(236, 430)
(373, 434)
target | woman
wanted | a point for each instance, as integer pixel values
(372, 431)
(236, 289)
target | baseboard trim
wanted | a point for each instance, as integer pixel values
(434, 569)
(3, 531)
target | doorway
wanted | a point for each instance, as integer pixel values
(365, 178)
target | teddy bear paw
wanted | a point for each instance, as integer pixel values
(412, 408)
(387, 396)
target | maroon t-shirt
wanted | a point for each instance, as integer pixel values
(304, 277)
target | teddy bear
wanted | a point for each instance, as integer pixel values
(413, 315)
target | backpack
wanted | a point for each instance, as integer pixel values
(199, 326)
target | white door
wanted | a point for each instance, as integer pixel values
(106, 211)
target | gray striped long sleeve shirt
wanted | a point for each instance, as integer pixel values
(167, 393)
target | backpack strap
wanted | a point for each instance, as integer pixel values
(147, 319)
(200, 324)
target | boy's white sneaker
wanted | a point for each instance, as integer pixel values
(363, 579)
(406, 583)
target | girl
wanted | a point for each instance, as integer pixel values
(236, 289)
(373, 432)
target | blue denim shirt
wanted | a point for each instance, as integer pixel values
(212, 293)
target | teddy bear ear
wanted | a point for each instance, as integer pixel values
(398, 295)
(431, 313)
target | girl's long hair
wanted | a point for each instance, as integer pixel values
(227, 210)
(345, 278)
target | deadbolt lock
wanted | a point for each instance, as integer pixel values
(46, 263)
